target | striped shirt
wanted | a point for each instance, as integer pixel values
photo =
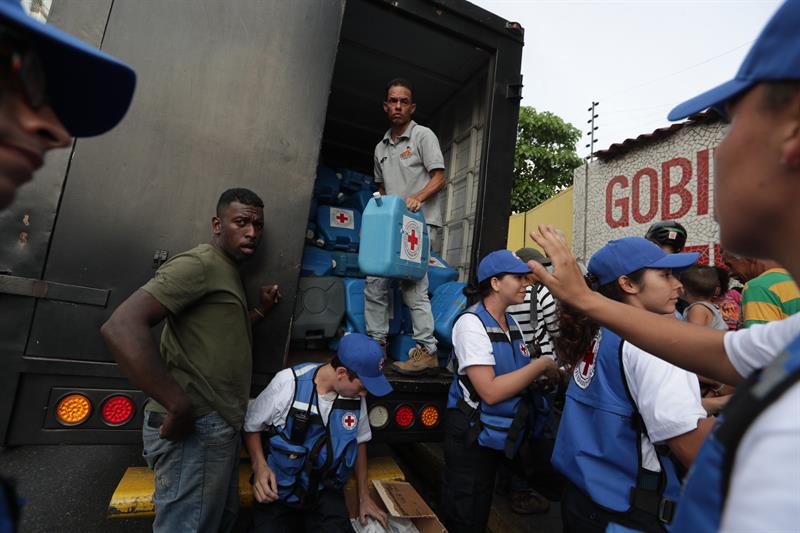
(547, 325)
(771, 296)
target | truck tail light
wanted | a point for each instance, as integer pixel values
(73, 409)
(117, 410)
(378, 417)
(404, 416)
(429, 416)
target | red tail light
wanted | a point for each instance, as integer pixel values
(404, 416)
(117, 410)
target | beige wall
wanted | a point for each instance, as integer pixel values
(556, 211)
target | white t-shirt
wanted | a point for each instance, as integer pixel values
(472, 346)
(668, 398)
(757, 346)
(271, 407)
(764, 492)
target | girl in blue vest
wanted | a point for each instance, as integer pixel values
(631, 421)
(488, 412)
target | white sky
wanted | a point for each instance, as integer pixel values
(637, 58)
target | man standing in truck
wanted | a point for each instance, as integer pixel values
(199, 383)
(409, 164)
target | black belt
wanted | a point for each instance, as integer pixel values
(647, 497)
(154, 420)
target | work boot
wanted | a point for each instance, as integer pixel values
(528, 502)
(419, 362)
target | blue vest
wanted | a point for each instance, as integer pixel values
(706, 489)
(501, 426)
(306, 454)
(598, 447)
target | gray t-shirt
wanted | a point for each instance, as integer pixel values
(404, 166)
(717, 322)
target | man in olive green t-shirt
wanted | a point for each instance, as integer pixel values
(199, 380)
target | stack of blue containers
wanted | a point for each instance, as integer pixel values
(340, 252)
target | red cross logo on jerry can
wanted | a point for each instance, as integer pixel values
(413, 240)
(349, 421)
(341, 217)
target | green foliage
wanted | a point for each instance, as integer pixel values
(545, 158)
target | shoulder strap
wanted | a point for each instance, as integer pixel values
(305, 409)
(756, 394)
(648, 494)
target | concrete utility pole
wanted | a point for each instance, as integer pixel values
(590, 133)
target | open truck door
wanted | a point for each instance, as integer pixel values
(230, 94)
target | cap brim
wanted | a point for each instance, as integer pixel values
(377, 386)
(715, 97)
(676, 261)
(89, 90)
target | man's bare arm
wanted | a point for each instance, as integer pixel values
(694, 348)
(127, 334)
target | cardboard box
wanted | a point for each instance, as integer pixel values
(399, 499)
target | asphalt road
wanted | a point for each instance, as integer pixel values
(67, 488)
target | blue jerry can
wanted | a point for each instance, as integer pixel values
(357, 200)
(326, 185)
(354, 307)
(394, 241)
(447, 303)
(345, 264)
(338, 228)
(355, 181)
(399, 346)
(316, 262)
(439, 272)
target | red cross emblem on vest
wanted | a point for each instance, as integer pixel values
(349, 421)
(413, 240)
(584, 372)
(341, 217)
(523, 348)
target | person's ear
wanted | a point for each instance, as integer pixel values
(413, 108)
(790, 148)
(385, 107)
(216, 225)
(627, 285)
(495, 282)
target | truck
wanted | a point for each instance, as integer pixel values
(253, 93)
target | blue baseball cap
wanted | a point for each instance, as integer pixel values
(501, 262)
(775, 56)
(623, 256)
(90, 91)
(364, 356)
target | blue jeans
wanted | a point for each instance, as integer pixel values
(196, 479)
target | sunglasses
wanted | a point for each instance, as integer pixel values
(21, 68)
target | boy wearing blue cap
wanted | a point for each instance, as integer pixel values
(754, 442)
(53, 86)
(315, 424)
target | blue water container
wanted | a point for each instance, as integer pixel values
(406, 326)
(316, 262)
(394, 241)
(345, 264)
(355, 181)
(319, 308)
(354, 307)
(357, 200)
(326, 185)
(399, 346)
(439, 272)
(447, 303)
(338, 228)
